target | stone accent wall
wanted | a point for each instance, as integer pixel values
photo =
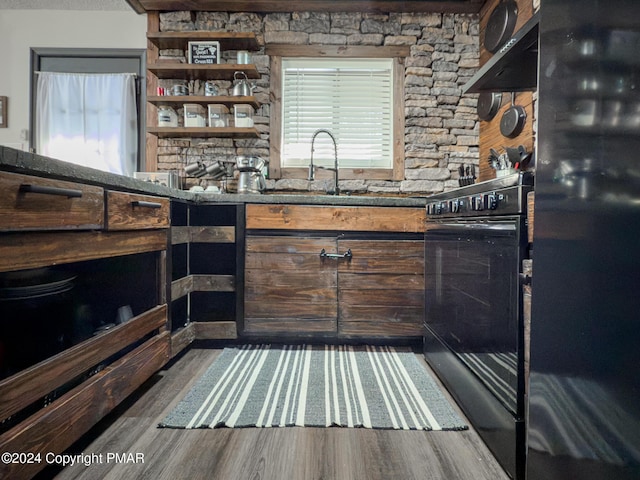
(441, 125)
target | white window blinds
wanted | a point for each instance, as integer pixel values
(353, 98)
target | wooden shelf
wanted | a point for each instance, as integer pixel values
(189, 71)
(57, 426)
(203, 132)
(29, 385)
(177, 101)
(21, 251)
(228, 40)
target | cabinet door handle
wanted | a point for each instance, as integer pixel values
(348, 255)
(141, 203)
(63, 192)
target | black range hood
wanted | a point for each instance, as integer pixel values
(513, 68)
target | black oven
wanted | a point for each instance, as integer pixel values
(475, 241)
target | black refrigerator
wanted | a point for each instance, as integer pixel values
(584, 384)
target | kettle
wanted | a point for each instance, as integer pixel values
(242, 87)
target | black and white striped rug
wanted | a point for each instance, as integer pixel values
(315, 386)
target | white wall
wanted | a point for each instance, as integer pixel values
(22, 29)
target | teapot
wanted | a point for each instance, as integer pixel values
(242, 87)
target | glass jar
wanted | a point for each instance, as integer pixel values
(167, 117)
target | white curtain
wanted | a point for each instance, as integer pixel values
(88, 119)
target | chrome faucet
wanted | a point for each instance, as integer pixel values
(336, 190)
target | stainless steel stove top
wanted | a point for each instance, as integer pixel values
(500, 196)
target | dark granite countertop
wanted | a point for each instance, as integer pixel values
(17, 161)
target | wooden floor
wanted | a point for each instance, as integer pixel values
(269, 453)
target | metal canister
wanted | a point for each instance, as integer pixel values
(180, 90)
(242, 57)
(210, 89)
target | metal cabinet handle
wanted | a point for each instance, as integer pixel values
(63, 192)
(141, 203)
(348, 255)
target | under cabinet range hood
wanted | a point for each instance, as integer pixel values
(514, 68)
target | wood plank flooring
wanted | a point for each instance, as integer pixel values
(266, 454)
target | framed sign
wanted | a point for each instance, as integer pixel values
(204, 53)
(4, 112)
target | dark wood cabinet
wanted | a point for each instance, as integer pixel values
(334, 271)
(34, 203)
(381, 289)
(129, 211)
(303, 284)
(289, 288)
(207, 264)
(83, 314)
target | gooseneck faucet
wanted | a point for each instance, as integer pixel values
(336, 190)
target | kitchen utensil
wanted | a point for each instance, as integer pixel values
(251, 182)
(241, 87)
(501, 25)
(180, 90)
(493, 158)
(513, 154)
(124, 314)
(242, 57)
(488, 105)
(218, 115)
(525, 157)
(216, 170)
(249, 163)
(210, 89)
(229, 167)
(167, 116)
(502, 161)
(461, 175)
(243, 116)
(513, 119)
(197, 169)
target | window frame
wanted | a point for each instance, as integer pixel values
(396, 53)
(94, 60)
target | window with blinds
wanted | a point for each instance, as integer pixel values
(353, 98)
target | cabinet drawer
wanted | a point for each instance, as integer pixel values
(128, 211)
(330, 218)
(35, 203)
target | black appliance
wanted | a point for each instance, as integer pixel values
(584, 397)
(475, 242)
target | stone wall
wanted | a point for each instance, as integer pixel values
(441, 125)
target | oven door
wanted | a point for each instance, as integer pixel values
(473, 298)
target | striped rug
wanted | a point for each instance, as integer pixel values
(315, 386)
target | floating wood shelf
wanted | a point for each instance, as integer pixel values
(203, 132)
(173, 101)
(228, 40)
(189, 71)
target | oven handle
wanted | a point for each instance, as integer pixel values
(470, 227)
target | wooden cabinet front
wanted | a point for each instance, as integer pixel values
(381, 288)
(376, 290)
(289, 288)
(83, 314)
(127, 211)
(36, 203)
